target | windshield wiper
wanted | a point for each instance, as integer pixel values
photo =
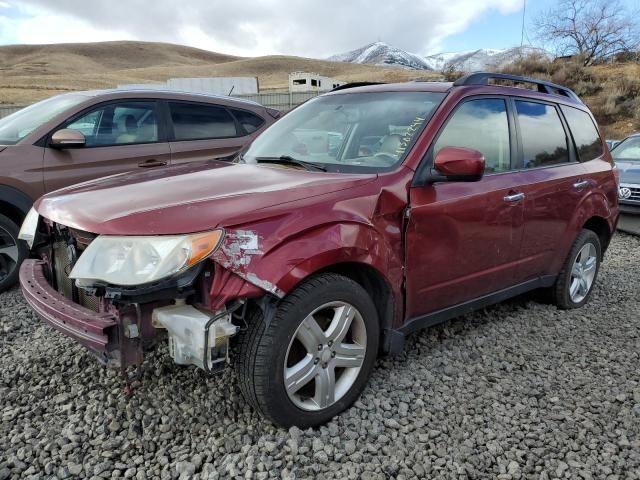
(287, 160)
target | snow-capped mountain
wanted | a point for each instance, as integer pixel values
(380, 53)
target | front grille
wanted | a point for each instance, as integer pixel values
(635, 194)
(62, 268)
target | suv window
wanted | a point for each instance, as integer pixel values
(118, 124)
(544, 140)
(484, 126)
(628, 149)
(585, 134)
(249, 122)
(196, 121)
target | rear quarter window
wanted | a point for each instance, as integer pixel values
(585, 134)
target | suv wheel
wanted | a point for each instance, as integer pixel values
(578, 275)
(12, 252)
(314, 357)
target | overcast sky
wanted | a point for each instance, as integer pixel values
(264, 27)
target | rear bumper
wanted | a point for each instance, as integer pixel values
(87, 327)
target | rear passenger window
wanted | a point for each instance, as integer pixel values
(482, 125)
(584, 132)
(194, 121)
(248, 121)
(544, 141)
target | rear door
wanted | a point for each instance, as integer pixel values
(463, 239)
(556, 182)
(121, 136)
(202, 131)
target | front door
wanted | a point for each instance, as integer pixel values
(463, 239)
(120, 136)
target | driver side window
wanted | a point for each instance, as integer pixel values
(482, 125)
(118, 124)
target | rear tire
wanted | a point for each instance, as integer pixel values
(315, 356)
(12, 252)
(579, 273)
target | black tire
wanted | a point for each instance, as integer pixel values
(9, 269)
(560, 292)
(263, 348)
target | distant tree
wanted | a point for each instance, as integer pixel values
(591, 30)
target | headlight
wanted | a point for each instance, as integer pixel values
(29, 227)
(139, 260)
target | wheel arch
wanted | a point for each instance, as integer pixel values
(600, 227)
(14, 203)
(375, 284)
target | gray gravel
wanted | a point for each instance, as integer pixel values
(520, 390)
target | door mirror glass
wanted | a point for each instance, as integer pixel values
(67, 138)
(458, 164)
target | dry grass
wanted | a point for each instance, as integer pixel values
(611, 91)
(31, 73)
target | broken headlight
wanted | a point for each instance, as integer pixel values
(133, 260)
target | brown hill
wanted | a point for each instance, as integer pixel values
(31, 72)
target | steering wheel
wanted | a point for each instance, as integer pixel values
(385, 155)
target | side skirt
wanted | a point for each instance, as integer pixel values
(393, 339)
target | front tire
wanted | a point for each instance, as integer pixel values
(314, 357)
(575, 282)
(12, 252)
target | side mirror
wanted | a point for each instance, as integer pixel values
(457, 164)
(67, 138)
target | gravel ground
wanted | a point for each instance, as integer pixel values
(520, 390)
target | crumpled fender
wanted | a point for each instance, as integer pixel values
(278, 252)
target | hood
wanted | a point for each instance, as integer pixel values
(185, 199)
(2, 147)
(629, 171)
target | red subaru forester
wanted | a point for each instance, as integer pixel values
(358, 218)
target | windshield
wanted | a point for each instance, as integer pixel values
(627, 150)
(18, 125)
(350, 132)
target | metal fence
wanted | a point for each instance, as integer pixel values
(279, 100)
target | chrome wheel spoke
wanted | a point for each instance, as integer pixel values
(325, 387)
(342, 318)
(310, 334)
(349, 355)
(300, 374)
(589, 264)
(10, 251)
(573, 289)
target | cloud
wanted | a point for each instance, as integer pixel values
(260, 27)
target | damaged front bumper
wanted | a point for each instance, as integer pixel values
(95, 331)
(118, 336)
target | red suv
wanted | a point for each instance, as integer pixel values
(360, 217)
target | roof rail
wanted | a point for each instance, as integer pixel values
(356, 84)
(482, 78)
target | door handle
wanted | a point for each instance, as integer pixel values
(580, 184)
(514, 197)
(152, 163)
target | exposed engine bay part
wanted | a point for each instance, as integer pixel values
(195, 337)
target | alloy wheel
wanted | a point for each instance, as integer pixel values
(325, 356)
(583, 273)
(9, 254)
